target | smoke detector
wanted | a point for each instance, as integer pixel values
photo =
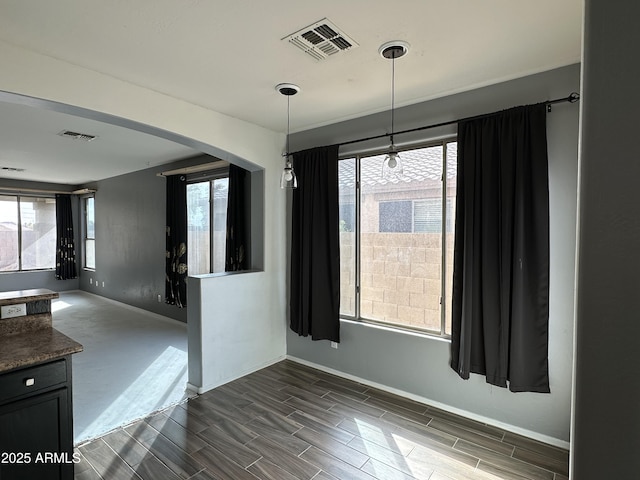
(321, 40)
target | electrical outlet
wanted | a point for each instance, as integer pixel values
(12, 311)
(103, 284)
(159, 298)
(334, 344)
(91, 281)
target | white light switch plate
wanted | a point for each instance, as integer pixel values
(10, 311)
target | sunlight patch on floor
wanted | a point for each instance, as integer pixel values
(58, 305)
(162, 383)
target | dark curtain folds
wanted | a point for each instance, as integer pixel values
(176, 261)
(315, 251)
(500, 305)
(236, 245)
(65, 239)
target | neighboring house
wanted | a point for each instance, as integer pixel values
(8, 246)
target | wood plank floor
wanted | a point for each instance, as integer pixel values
(289, 421)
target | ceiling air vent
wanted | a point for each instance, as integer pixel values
(85, 137)
(321, 40)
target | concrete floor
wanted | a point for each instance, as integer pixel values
(134, 362)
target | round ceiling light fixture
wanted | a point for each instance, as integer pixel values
(394, 49)
(287, 89)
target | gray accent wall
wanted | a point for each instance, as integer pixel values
(606, 422)
(418, 364)
(130, 237)
(130, 242)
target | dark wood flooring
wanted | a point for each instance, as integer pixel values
(289, 421)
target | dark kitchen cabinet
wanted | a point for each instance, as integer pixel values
(36, 426)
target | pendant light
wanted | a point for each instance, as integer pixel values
(288, 178)
(392, 164)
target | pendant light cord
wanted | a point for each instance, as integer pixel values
(393, 94)
(288, 125)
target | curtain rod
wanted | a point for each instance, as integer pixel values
(203, 167)
(572, 98)
(81, 191)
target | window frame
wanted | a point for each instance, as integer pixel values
(357, 317)
(210, 177)
(85, 231)
(20, 235)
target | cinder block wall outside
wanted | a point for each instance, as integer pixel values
(401, 277)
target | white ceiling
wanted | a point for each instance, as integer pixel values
(228, 55)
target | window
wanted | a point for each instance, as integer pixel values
(396, 259)
(89, 233)
(207, 225)
(27, 233)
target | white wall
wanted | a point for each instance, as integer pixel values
(232, 332)
(606, 425)
(418, 365)
(65, 87)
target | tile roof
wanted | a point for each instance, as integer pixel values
(418, 165)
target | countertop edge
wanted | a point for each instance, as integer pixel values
(22, 296)
(30, 348)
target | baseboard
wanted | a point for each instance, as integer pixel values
(211, 386)
(456, 411)
(149, 313)
(192, 389)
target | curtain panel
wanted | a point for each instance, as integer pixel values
(176, 241)
(236, 241)
(65, 239)
(500, 310)
(315, 251)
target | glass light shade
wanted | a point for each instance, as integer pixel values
(288, 178)
(392, 165)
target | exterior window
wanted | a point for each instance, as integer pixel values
(27, 233)
(89, 233)
(206, 225)
(395, 216)
(396, 239)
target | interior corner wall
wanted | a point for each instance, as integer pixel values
(418, 365)
(27, 280)
(130, 242)
(606, 424)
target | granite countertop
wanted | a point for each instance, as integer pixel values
(30, 339)
(21, 296)
(36, 346)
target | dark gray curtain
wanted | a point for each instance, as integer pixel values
(65, 240)
(500, 310)
(236, 245)
(315, 250)
(176, 230)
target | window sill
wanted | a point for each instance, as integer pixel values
(225, 274)
(396, 330)
(35, 270)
